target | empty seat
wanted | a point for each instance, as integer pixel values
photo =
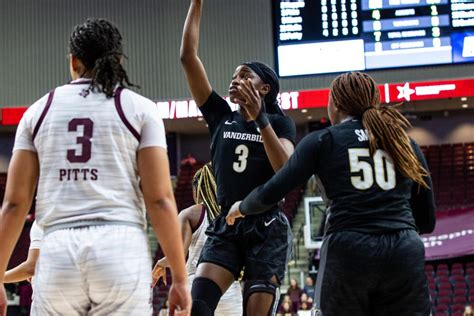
(444, 300)
(459, 299)
(457, 307)
(444, 286)
(442, 308)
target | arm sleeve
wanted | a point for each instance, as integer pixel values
(422, 199)
(213, 110)
(152, 128)
(299, 168)
(36, 236)
(284, 127)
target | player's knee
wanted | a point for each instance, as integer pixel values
(206, 295)
(200, 308)
(261, 287)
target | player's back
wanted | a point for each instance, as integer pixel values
(87, 148)
(365, 191)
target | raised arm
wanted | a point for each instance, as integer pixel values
(22, 177)
(194, 69)
(154, 172)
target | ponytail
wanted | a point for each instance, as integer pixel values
(386, 129)
(357, 95)
(204, 184)
(107, 73)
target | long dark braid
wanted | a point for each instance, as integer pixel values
(356, 94)
(204, 184)
(97, 43)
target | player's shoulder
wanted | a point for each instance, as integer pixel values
(192, 215)
(129, 97)
(350, 124)
(278, 118)
(283, 125)
(320, 136)
(37, 107)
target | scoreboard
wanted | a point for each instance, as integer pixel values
(325, 36)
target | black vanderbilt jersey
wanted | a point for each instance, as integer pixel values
(239, 159)
(364, 191)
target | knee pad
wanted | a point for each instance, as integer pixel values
(206, 294)
(260, 286)
(200, 308)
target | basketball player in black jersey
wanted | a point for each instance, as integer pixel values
(380, 197)
(248, 146)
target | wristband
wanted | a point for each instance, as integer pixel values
(262, 119)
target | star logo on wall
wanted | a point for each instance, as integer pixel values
(405, 91)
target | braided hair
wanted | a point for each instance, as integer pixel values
(268, 76)
(97, 43)
(204, 184)
(356, 94)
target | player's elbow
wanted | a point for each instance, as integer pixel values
(428, 226)
(11, 206)
(30, 270)
(165, 203)
(187, 57)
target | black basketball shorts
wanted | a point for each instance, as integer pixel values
(260, 243)
(372, 274)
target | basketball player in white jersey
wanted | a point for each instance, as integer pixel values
(98, 153)
(194, 222)
(26, 270)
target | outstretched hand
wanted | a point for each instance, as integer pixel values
(159, 272)
(234, 213)
(250, 100)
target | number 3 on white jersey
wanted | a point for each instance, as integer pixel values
(242, 153)
(383, 167)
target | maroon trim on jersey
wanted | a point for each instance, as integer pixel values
(43, 115)
(201, 219)
(118, 106)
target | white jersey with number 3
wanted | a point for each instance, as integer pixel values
(87, 148)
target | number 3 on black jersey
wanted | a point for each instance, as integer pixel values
(242, 153)
(383, 167)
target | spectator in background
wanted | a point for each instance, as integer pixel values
(468, 311)
(305, 301)
(287, 297)
(305, 310)
(294, 291)
(309, 287)
(286, 309)
(188, 160)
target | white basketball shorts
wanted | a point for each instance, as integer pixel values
(95, 270)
